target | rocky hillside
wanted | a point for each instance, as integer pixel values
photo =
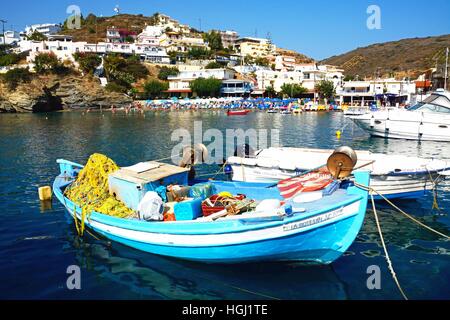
(408, 57)
(93, 28)
(52, 93)
(299, 58)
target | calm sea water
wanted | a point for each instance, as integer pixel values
(38, 243)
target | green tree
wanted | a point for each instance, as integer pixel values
(123, 71)
(262, 62)
(198, 53)
(129, 39)
(111, 64)
(293, 90)
(326, 89)
(155, 88)
(88, 61)
(8, 59)
(165, 72)
(37, 36)
(349, 78)
(206, 87)
(214, 40)
(270, 92)
(15, 76)
(248, 59)
(214, 65)
(45, 62)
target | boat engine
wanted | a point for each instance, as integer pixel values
(341, 162)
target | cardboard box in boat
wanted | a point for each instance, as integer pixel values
(130, 184)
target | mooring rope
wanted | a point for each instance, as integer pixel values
(435, 195)
(402, 212)
(386, 254)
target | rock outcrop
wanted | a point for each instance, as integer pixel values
(53, 93)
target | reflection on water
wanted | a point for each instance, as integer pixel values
(164, 278)
(38, 242)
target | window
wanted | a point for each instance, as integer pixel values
(428, 107)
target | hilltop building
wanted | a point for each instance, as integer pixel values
(228, 38)
(284, 63)
(255, 47)
(151, 35)
(119, 35)
(46, 29)
(10, 38)
(169, 24)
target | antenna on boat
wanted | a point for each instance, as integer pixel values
(446, 70)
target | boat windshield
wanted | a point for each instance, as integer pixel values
(429, 107)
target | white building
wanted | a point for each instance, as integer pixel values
(255, 47)
(228, 38)
(64, 48)
(169, 24)
(180, 84)
(306, 75)
(151, 35)
(10, 37)
(284, 63)
(360, 92)
(46, 29)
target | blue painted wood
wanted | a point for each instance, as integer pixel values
(318, 242)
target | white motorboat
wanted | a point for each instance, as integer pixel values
(427, 121)
(394, 176)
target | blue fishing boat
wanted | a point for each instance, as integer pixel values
(313, 232)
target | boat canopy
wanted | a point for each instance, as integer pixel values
(437, 102)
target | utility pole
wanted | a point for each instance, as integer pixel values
(446, 70)
(3, 30)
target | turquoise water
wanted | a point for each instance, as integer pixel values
(38, 243)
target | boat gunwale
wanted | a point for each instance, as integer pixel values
(222, 226)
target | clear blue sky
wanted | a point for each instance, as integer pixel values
(317, 28)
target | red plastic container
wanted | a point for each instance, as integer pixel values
(207, 210)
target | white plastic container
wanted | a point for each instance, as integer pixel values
(306, 197)
(268, 205)
(151, 207)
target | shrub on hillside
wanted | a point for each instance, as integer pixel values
(115, 87)
(214, 65)
(165, 72)
(88, 61)
(44, 62)
(15, 76)
(122, 71)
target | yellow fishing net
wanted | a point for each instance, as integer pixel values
(90, 190)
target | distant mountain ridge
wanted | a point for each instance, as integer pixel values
(403, 58)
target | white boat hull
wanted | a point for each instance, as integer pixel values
(392, 176)
(428, 121)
